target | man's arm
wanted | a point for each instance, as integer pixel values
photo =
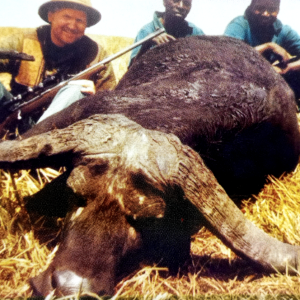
(289, 39)
(162, 39)
(286, 46)
(237, 28)
(159, 40)
(285, 65)
(147, 29)
(294, 66)
(275, 48)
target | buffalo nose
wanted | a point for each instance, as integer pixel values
(68, 283)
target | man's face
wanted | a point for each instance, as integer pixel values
(265, 11)
(178, 8)
(67, 26)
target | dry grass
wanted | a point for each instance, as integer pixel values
(214, 269)
(21, 254)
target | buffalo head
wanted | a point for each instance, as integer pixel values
(145, 194)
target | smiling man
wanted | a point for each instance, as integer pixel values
(67, 26)
(58, 48)
(260, 28)
(173, 20)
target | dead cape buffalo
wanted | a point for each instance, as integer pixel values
(134, 184)
(218, 96)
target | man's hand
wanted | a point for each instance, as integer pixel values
(88, 86)
(293, 66)
(285, 56)
(163, 38)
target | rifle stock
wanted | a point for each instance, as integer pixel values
(45, 97)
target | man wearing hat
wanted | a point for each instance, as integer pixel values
(172, 20)
(61, 47)
(260, 28)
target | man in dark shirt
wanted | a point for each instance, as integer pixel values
(173, 20)
(260, 28)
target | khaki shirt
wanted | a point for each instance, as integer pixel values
(30, 73)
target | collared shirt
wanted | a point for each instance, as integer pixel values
(284, 35)
(189, 30)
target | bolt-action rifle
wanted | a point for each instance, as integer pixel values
(17, 108)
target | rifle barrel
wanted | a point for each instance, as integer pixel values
(120, 53)
(96, 66)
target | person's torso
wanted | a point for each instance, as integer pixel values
(51, 60)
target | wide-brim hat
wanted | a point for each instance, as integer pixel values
(93, 15)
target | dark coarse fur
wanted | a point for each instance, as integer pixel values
(219, 96)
